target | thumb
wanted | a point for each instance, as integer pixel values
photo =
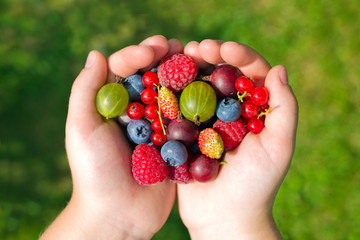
(281, 122)
(82, 110)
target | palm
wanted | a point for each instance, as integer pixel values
(108, 182)
(248, 180)
(248, 183)
(99, 154)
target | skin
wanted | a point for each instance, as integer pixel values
(239, 202)
(108, 204)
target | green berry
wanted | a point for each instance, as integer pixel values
(198, 102)
(112, 100)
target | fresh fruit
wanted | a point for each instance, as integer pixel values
(151, 111)
(171, 117)
(249, 109)
(182, 130)
(203, 168)
(148, 96)
(210, 143)
(168, 103)
(135, 110)
(228, 110)
(243, 84)
(158, 138)
(177, 71)
(174, 153)
(232, 133)
(111, 100)
(255, 125)
(198, 102)
(223, 80)
(259, 96)
(264, 108)
(134, 87)
(147, 165)
(180, 174)
(150, 79)
(157, 124)
(123, 119)
(139, 131)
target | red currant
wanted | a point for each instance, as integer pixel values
(148, 96)
(156, 125)
(243, 84)
(249, 110)
(150, 79)
(264, 108)
(151, 111)
(255, 125)
(158, 138)
(135, 110)
(259, 96)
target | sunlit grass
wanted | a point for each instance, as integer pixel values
(44, 45)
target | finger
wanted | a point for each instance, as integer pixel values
(160, 46)
(129, 60)
(250, 63)
(175, 46)
(192, 49)
(83, 93)
(281, 123)
(210, 51)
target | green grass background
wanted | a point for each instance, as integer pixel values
(44, 44)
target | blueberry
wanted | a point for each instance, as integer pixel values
(195, 148)
(134, 86)
(228, 110)
(139, 131)
(174, 153)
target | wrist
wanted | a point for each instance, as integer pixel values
(79, 221)
(261, 227)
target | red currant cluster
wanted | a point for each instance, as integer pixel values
(151, 111)
(254, 103)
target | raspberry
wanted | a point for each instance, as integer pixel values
(232, 133)
(177, 71)
(147, 165)
(210, 143)
(180, 174)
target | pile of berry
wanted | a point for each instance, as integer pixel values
(181, 122)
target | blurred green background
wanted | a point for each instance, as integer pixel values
(44, 44)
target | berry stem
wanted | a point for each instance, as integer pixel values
(119, 79)
(264, 113)
(180, 116)
(159, 112)
(241, 96)
(197, 120)
(205, 78)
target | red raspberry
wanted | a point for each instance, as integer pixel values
(232, 133)
(180, 174)
(176, 72)
(147, 165)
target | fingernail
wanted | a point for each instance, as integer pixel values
(90, 59)
(283, 76)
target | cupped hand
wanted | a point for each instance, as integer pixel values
(239, 201)
(99, 154)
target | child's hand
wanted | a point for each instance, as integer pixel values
(107, 203)
(238, 203)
